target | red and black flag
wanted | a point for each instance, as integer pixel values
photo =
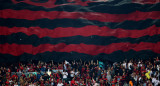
(79, 29)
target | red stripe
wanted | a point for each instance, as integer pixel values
(103, 17)
(146, 1)
(16, 50)
(83, 31)
(51, 3)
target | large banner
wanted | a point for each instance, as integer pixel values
(60, 30)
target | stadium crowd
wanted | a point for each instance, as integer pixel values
(81, 73)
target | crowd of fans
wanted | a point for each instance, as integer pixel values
(81, 73)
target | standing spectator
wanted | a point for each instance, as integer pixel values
(129, 65)
(130, 83)
(16, 84)
(109, 76)
(96, 84)
(60, 83)
(72, 73)
(124, 64)
(65, 75)
(21, 81)
(46, 77)
(99, 72)
(72, 82)
(155, 81)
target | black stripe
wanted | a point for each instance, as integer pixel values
(51, 24)
(93, 7)
(21, 38)
(47, 56)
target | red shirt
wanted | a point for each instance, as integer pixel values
(31, 70)
(113, 83)
(88, 77)
(72, 82)
(65, 84)
(7, 83)
(157, 59)
(13, 76)
(9, 70)
(42, 83)
(82, 70)
(77, 78)
(21, 68)
(23, 75)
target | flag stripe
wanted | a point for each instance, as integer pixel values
(83, 31)
(145, 1)
(51, 24)
(45, 30)
(18, 49)
(113, 9)
(103, 17)
(21, 38)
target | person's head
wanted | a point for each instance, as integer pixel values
(60, 81)
(21, 77)
(73, 78)
(103, 76)
(31, 75)
(99, 68)
(104, 71)
(15, 83)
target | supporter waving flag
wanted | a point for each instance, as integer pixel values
(101, 64)
(79, 29)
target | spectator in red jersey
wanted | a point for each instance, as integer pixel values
(113, 81)
(72, 82)
(15, 76)
(7, 82)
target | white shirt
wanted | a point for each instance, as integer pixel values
(65, 74)
(139, 79)
(151, 72)
(124, 65)
(65, 67)
(158, 67)
(76, 73)
(96, 84)
(139, 64)
(60, 84)
(32, 85)
(155, 81)
(129, 66)
(72, 73)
